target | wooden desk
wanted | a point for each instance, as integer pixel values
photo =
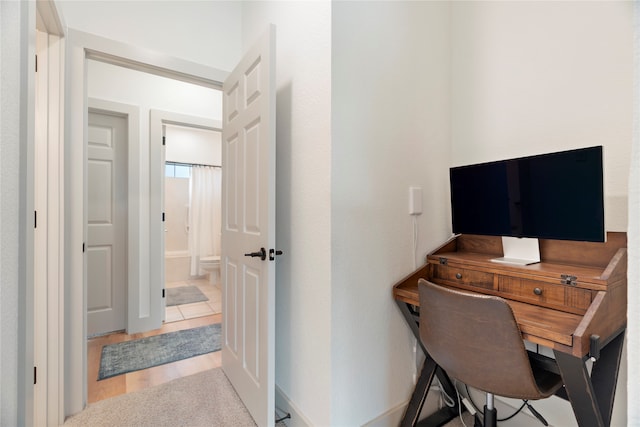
(574, 301)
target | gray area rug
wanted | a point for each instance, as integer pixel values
(204, 399)
(129, 356)
(184, 295)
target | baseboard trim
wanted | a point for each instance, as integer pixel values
(284, 404)
(391, 417)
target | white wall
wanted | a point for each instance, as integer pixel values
(176, 205)
(149, 91)
(633, 308)
(390, 131)
(303, 199)
(17, 104)
(9, 173)
(534, 77)
(205, 32)
(193, 145)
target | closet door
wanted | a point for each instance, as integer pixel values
(106, 223)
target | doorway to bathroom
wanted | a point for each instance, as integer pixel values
(192, 223)
(158, 105)
(180, 145)
(158, 101)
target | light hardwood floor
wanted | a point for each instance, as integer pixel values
(126, 383)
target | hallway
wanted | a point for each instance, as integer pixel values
(127, 383)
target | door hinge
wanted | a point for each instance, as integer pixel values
(162, 216)
(35, 219)
(163, 293)
(36, 63)
(164, 140)
(82, 247)
(35, 375)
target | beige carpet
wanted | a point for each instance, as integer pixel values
(204, 399)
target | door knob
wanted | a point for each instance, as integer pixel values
(262, 254)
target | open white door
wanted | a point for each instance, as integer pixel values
(248, 228)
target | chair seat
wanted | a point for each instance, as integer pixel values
(548, 382)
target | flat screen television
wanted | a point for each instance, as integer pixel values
(550, 196)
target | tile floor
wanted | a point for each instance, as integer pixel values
(189, 311)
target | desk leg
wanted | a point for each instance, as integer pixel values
(429, 368)
(604, 376)
(419, 395)
(592, 396)
(579, 389)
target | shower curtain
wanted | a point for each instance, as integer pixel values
(204, 215)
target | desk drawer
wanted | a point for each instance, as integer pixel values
(559, 296)
(478, 279)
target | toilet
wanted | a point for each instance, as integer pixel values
(211, 264)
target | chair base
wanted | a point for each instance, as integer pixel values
(490, 418)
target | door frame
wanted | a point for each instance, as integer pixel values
(46, 289)
(131, 113)
(157, 120)
(81, 47)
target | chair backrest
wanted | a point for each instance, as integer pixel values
(475, 339)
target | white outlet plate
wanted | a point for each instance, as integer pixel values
(415, 200)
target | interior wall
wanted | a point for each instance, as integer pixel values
(119, 84)
(17, 128)
(176, 205)
(535, 77)
(633, 308)
(303, 200)
(390, 130)
(204, 32)
(193, 145)
(10, 44)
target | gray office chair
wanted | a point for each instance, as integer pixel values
(476, 340)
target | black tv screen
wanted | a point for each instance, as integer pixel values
(549, 196)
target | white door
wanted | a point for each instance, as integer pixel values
(107, 223)
(248, 226)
